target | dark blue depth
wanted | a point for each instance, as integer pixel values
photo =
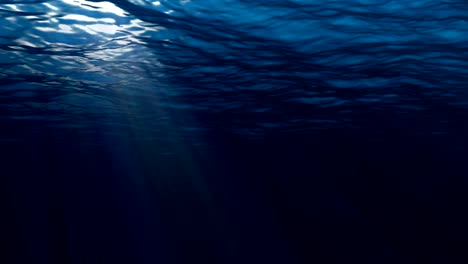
(233, 131)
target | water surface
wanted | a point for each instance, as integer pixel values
(234, 131)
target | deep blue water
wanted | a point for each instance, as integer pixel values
(233, 131)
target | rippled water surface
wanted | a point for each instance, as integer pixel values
(234, 131)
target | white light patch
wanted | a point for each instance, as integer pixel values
(102, 28)
(79, 18)
(26, 43)
(66, 28)
(12, 7)
(51, 6)
(105, 7)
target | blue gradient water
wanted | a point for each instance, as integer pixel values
(234, 131)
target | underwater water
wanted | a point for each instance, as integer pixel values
(233, 131)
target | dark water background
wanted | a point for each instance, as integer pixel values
(233, 131)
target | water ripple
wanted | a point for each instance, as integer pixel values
(264, 65)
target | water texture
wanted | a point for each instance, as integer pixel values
(234, 131)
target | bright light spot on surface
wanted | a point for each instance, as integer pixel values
(61, 29)
(105, 7)
(101, 28)
(51, 6)
(79, 18)
(11, 19)
(89, 19)
(66, 28)
(25, 43)
(12, 7)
